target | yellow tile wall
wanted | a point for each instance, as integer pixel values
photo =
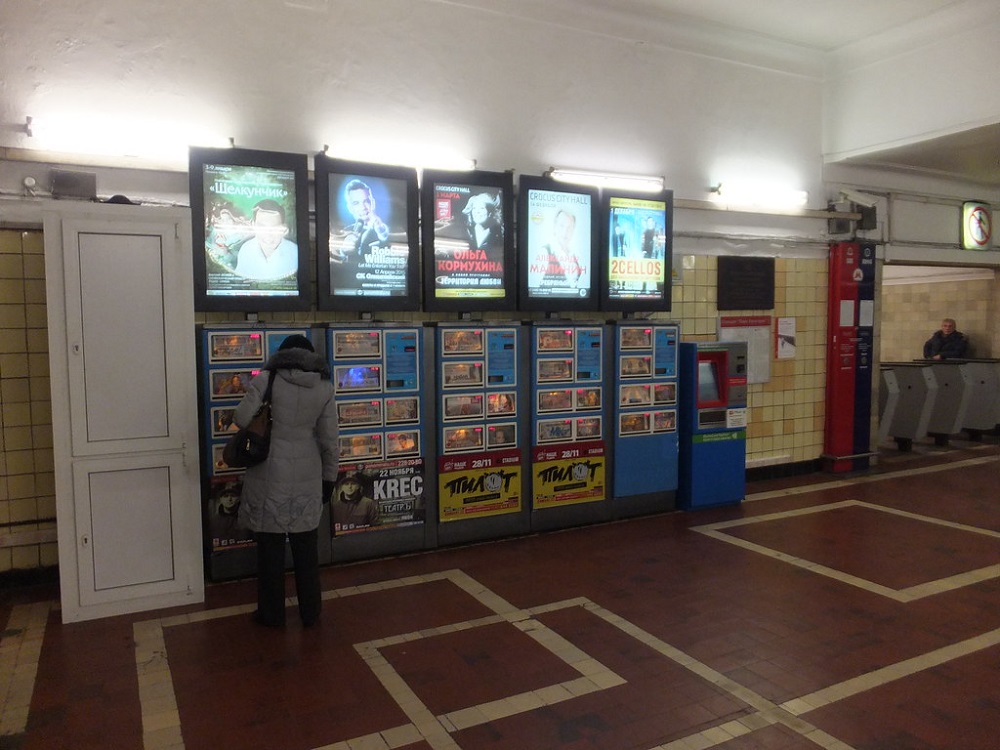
(787, 413)
(912, 312)
(27, 481)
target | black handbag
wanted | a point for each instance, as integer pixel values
(250, 445)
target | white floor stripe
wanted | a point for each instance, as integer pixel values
(19, 654)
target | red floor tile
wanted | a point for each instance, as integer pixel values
(770, 627)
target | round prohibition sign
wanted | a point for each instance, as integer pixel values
(979, 226)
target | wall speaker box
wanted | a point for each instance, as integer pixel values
(838, 226)
(67, 184)
(869, 219)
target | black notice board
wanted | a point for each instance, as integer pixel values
(745, 283)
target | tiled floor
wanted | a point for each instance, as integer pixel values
(828, 611)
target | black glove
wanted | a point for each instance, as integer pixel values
(327, 490)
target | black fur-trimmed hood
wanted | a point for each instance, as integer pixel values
(299, 359)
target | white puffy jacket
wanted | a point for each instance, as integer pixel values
(284, 493)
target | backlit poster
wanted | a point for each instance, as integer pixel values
(251, 242)
(369, 244)
(559, 244)
(469, 252)
(636, 248)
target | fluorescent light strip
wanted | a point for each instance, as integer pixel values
(612, 180)
(758, 195)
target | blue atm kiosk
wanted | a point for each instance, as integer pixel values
(713, 418)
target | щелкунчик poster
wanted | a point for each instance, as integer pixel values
(250, 231)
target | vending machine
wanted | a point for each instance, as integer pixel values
(569, 477)
(713, 418)
(480, 407)
(229, 356)
(379, 505)
(645, 447)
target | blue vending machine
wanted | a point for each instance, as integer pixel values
(568, 404)
(713, 420)
(644, 450)
(480, 406)
(379, 504)
(229, 356)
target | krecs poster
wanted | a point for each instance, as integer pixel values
(378, 495)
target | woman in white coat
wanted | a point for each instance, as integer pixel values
(283, 496)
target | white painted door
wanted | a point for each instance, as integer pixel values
(124, 399)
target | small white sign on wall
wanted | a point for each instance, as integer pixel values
(756, 331)
(784, 338)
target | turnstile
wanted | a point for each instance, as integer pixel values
(954, 390)
(888, 400)
(917, 393)
(983, 414)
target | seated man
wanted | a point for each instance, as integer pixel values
(946, 343)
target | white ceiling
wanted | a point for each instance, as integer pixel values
(817, 24)
(824, 26)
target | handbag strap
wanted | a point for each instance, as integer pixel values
(266, 400)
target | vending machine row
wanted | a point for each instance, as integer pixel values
(451, 433)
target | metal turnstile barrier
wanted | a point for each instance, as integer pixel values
(952, 402)
(983, 414)
(917, 393)
(888, 400)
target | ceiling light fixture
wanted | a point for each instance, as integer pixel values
(106, 136)
(611, 180)
(400, 154)
(758, 195)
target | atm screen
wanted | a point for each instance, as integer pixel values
(708, 383)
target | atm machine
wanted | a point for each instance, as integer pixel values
(713, 418)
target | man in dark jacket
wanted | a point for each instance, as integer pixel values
(946, 343)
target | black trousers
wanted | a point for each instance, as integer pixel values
(271, 576)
